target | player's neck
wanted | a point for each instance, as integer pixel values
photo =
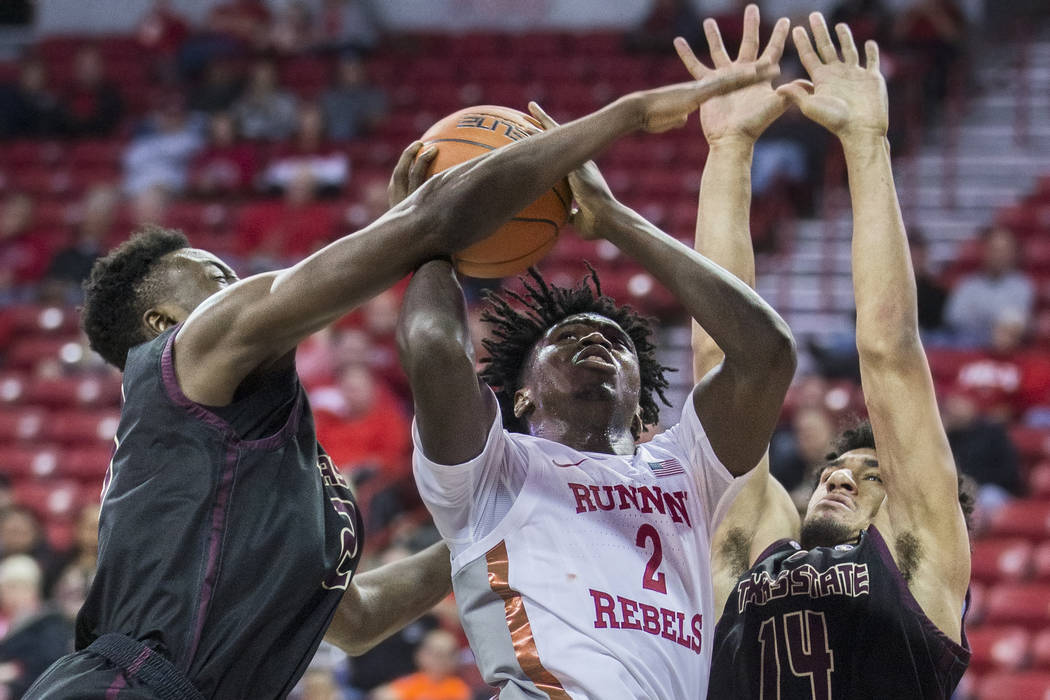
(596, 437)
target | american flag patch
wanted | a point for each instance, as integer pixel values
(667, 467)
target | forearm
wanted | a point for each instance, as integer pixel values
(384, 600)
(883, 282)
(485, 192)
(747, 329)
(723, 232)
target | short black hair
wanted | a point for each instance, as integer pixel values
(121, 289)
(861, 436)
(544, 305)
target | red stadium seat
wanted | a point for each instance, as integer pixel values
(978, 596)
(1001, 559)
(1027, 605)
(1041, 562)
(86, 464)
(1027, 685)
(82, 427)
(1041, 650)
(35, 319)
(65, 392)
(1001, 648)
(27, 351)
(20, 425)
(1032, 443)
(1039, 480)
(1023, 518)
(13, 387)
(50, 498)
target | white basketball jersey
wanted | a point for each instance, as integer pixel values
(595, 583)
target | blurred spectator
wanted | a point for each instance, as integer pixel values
(226, 165)
(978, 299)
(347, 24)
(867, 19)
(265, 112)
(29, 108)
(327, 164)
(79, 566)
(666, 20)
(352, 106)
(1007, 379)
(437, 679)
(797, 455)
(162, 31)
(982, 449)
(293, 28)
(23, 256)
(222, 85)
(36, 635)
(150, 207)
(270, 232)
(391, 658)
(91, 104)
(935, 32)
(162, 153)
(361, 426)
(931, 292)
(246, 21)
(21, 532)
(71, 264)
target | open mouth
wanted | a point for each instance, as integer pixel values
(836, 501)
(594, 356)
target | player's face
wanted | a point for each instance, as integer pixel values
(585, 356)
(850, 491)
(198, 274)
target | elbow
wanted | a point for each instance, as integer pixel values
(890, 346)
(781, 352)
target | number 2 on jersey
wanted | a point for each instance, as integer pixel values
(805, 637)
(652, 579)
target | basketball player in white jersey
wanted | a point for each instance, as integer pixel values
(579, 557)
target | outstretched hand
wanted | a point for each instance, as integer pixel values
(747, 112)
(410, 172)
(843, 97)
(669, 107)
(589, 189)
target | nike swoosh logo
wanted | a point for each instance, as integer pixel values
(571, 464)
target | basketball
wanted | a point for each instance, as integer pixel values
(532, 232)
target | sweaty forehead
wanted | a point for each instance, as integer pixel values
(862, 458)
(590, 319)
(196, 256)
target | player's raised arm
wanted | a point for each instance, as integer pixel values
(920, 476)
(261, 319)
(762, 512)
(738, 404)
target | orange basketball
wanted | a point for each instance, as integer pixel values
(528, 236)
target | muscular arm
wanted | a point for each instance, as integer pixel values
(380, 602)
(738, 402)
(762, 511)
(453, 409)
(263, 318)
(912, 449)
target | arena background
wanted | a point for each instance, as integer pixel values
(266, 129)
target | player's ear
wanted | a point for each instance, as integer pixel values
(523, 404)
(160, 318)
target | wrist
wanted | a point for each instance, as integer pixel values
(740, 145)
(862, 142)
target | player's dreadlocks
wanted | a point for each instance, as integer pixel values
(861, 436)
(122, 288)
(516, 332)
